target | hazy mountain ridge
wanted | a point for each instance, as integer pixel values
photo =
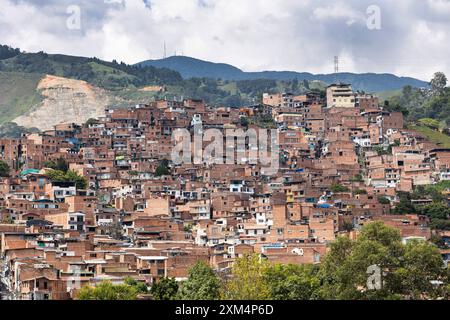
(191, 67)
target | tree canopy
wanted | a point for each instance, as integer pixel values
(248, 280)
(419, 104)
(69, 176)
(292, 282)
(202, 284)
(165, 289)
(60, 164)
(378, 265)
(438, 83)
(108, 291)
(401, 271)
(4, 169)
(163, 168)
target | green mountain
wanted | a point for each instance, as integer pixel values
(123, 84)
(18, 94)
(195, 68)
(85, 86)
(109, 75)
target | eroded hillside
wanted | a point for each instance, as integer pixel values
(64, 101)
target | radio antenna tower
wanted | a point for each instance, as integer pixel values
(336, 68)
(165, 50)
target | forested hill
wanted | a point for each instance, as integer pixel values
(52, 88)
(24, 80)
(130, 84)
(195, 68)
(109, 75)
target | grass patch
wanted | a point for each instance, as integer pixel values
(434, 136)
(230, 87)
(18, 94)
(387, 95)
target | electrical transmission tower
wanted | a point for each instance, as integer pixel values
(336, 68)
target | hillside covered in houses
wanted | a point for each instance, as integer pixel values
(107, 208)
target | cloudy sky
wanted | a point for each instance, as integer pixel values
(411, 38)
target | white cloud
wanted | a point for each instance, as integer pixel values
(300, 35)
(340, 11)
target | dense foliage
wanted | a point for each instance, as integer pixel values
(165, 289)
(337, 188)
(257, 87)
(375, 266)
(438, 210)
(7, 52)
(405, 271)
(163, 168)
(69, 176)
(4, 169)
(421, 105)
(14, 131)
(248, 280)
(292, 282)
(108, 291)
(202, 284)
(110, 75)
(60, 165)
(124, 80)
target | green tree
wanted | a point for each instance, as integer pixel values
(202, 284)
(60, 165)
(162, 169)
(337, 188)
(383, 200)
(69, 176)
(440, 224)
(244, 122)
(4, 169)
(438, 83)
(348, 226)
(435, 210)
(404, 206)
(294, 85)
(404, 270)
(248, 280)
(292, 282)
(139, 286)
(165, 289)
(422, 263)
(107, 291)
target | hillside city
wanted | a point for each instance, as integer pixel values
(120, 202)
